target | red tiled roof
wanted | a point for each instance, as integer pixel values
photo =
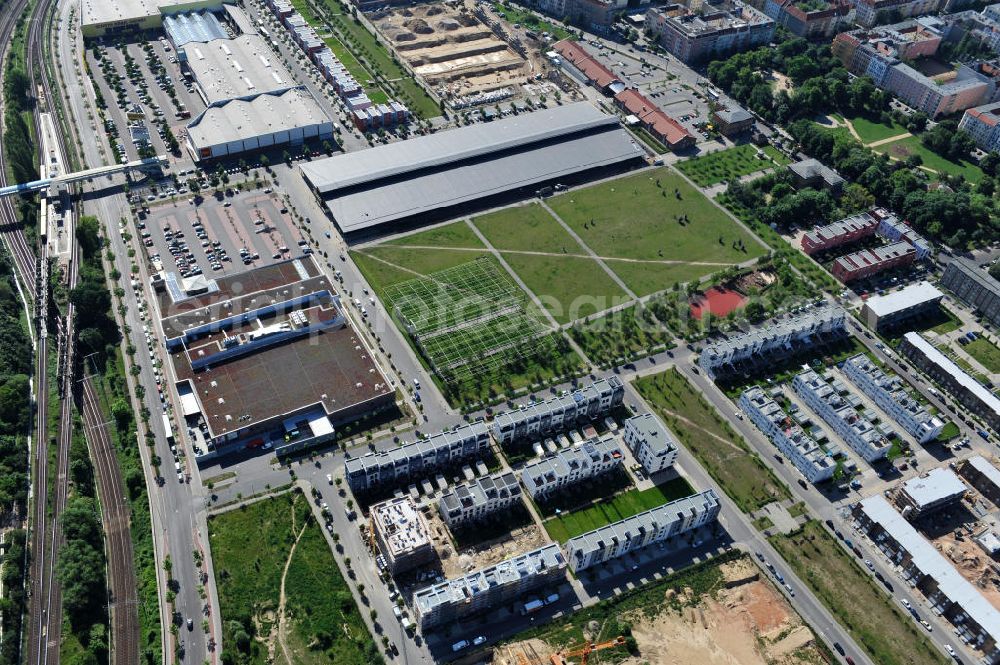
(650, 114)
(597, 73)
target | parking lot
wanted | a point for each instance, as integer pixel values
(221, 235)
(145, 89)
(678, 99)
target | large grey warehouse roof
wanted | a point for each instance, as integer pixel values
(396, 181)
(236, 68)
(266, 114)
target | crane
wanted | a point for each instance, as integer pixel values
(559, 658)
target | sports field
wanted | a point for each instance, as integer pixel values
(626, 504)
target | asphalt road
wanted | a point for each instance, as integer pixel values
(177, 531)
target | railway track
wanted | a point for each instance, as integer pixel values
(10, 228)
(116, 512)
(117, 522)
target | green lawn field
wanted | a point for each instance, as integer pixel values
(722, 451)
(250, 547)
(456, 234)
(645, 278)
(871, 130)
(654, 215)
(527, 228)
(632, 502)
(728, 164)
(569, 288)
(903, 148)
(985, 352)
(423, 261)
(873, 618)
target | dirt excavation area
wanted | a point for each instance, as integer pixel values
(972, 562)
(451, 49)
(746, 623)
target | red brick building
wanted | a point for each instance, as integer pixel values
(868, 262)
(664, 128)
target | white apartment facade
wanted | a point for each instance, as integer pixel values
(856, 430)
(890, 396)
(650, 442)
(570, 466)
(662, 523)
(788, 436)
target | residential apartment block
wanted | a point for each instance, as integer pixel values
(401, 534)
(889, 394)
(479, 499)
(660, 524)
(934, 490)
(873, 12)
(779, 338)
(949, 594)
(983, 476)
(416, 459)
(868, 262)
(787, 435)
(558, 414)
(983, 124)
(570, 466)
(488, 588)
(841, 414)
(966, 390)
(718, 29)
(973, 286)
(895, 310)
(982, 27)
(810, 20)
(650, 442)
(882, 53)
(893, 229)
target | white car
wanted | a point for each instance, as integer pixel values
(329, 478)
(950, 650)
(479, 640)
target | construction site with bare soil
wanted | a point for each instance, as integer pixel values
(459, 557)
(453, 51)
(743, 621)
(967, 535)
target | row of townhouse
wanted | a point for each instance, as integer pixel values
(949, 594)
(889, 394)
(778, 338)
(418, 458)
(973, 395)
(661, 524)
(365, 113)
(651, 442)
(840, 414)
(570, 466)
(479, 499)
(787, 435)
(877, 221)
(868, 262)
(558, 414)
(485, 589)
